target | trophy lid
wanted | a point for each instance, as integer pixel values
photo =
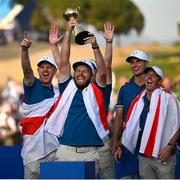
(70, 12)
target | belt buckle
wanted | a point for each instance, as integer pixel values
(80, 150)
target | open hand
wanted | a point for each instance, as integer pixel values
(54, 37)
(108, 33)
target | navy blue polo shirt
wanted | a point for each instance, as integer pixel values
(107, 94)
(37, 92)
(127, 94)
(143, 117)
(178, 142)
(128, 162)
(78, 129)
(144, 112)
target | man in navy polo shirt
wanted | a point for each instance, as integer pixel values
(106, 167)
(39, 97)
(126, 162)
(152, 128)
(80, 118)
(106, 164)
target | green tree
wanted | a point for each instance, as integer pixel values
(122, 13)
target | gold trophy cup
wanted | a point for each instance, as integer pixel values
(79, 31)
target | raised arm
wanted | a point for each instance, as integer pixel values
(63, 57)
(108, 35)
(25, 60)
(54, 39)
(64, 64)
(101, 69)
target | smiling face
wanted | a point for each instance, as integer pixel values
(46, 72)
(152, 81)
(137, 66)
(82, 76)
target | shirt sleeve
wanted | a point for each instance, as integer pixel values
(28, 90)
(120, 101)
(63, 85)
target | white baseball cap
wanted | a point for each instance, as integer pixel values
(139, 55)
(156, 69)
(93, 63)
(47, 59)
(84, 62)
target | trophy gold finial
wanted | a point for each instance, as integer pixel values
(79, 31)
(71, 12)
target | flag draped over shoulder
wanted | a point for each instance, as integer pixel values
(36, 142)
(161, 123)
(94, 105)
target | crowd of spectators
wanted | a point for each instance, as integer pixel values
(10, 115)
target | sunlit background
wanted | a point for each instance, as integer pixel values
(149, 25)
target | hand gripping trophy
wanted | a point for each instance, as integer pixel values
(79, 31)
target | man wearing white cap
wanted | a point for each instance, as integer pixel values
(127, 163)
(39, 97)
(80, 118)
(151, 128)
(106, 168)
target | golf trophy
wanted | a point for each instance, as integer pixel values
(79, 31)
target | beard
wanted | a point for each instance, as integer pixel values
(82, 86)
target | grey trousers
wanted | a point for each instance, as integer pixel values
(32, 170)
(150, 168)
(106, 163)
(70, 153)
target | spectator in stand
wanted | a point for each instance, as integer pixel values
(8, 126)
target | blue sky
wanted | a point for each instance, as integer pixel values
(161, 18)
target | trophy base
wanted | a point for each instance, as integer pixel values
(79, 39)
